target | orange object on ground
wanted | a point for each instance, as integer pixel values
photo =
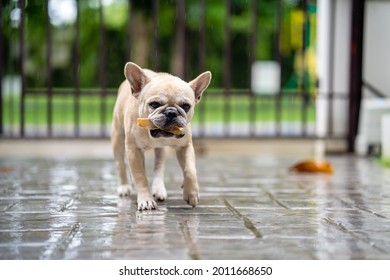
(312, 166)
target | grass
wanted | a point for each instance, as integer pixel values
(239, 108)
(62, 107)
(385, 161)
(214, 107)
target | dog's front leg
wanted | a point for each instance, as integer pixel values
(186, 158)
(158, 187)
(136, 160)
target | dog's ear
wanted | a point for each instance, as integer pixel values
(200, 84)
(136, 77)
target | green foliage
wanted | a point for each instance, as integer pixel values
(117, 46)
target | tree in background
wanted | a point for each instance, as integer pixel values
(111, 18)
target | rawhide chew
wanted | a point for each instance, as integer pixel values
(146, 123)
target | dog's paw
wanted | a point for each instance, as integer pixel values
(191, 197)
(124, 190)
(160, 195)
(159, 191)
(147, 204)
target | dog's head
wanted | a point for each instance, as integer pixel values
(166, 100)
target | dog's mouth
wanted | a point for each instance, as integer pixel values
(157, 133)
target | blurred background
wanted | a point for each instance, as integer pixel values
(284, 68)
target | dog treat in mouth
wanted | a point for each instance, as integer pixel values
(146, 123)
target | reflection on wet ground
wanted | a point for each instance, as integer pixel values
(251, 208)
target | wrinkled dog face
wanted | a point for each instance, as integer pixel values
(167, 101)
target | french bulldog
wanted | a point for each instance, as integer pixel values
(166, 101)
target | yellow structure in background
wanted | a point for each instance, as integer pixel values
(302, 47)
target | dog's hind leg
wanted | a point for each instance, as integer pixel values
(158, 187)
(118, 146)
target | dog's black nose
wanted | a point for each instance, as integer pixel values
(171, 112)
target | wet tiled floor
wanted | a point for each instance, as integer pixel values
(251, 208)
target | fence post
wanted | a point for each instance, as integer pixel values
(227, 65)
(22, 57)
(252, 59)
(278, 103)
(49, 72)
(202, 62)
(1, 67)
(129, 30)
(331, 68)
(76, 72)
(303, 88)
(102, 70)
(356, 65)
(179, 54)
(156, 35)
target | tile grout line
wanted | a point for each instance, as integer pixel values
(247, 222)
(277, 201)
(63, 242)
(9, 206)
(364, 209)
(342, 228)
(69, 203)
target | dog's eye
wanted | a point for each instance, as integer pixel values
(186, 107)
(154, 105)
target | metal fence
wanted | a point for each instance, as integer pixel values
(56, 103)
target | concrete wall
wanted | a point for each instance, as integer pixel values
(333, 66)
(333, 63)
(376, 60)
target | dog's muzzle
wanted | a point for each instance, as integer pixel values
(157, 133)
(164, 123)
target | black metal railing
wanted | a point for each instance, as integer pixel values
(54, 106)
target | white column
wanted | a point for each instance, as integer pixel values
(334, 80)
(324, 8)
(386, 137)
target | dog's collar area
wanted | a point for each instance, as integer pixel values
(157, 133)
